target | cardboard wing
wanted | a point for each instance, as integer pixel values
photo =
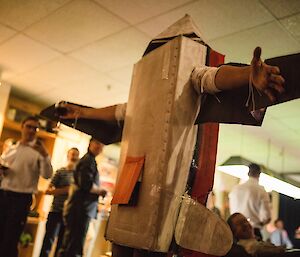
(107, 132)
(230, 106)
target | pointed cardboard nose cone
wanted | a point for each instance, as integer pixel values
(201, 230)
(185, 26)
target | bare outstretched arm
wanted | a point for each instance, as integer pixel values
(265, 78)
(106, 113)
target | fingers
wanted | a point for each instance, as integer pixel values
(72, 111)
(256, 61)
(274, 70)
(279, 88)
(275, 83)
(39, 145)
(37, 148)
(103, 193)
(257, 53)
(277, 80)
(265, 77)
(41, 149)
(270, 94)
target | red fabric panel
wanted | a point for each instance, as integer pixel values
(204, 179)
(215, 58)
(208, 143)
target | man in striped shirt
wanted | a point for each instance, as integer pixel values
(59, 188)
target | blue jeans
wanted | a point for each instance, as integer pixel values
(54, 228)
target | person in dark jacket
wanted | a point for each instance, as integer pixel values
(82, 204)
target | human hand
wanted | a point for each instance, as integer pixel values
(102, 193)
(265, 78)
(73, 111)
(40, 147)
(50, 191)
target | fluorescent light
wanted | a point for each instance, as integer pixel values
(279, 186)
(239, 171)
(268, 182)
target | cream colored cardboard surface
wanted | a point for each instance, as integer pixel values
(201, 230)
(159, 125)
(184, 26)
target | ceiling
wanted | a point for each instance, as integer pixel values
(83, 51)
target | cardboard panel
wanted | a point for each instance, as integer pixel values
(159, 125)
(199, 229)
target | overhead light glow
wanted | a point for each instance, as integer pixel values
(268, 182)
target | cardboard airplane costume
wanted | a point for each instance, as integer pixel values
(158, 141)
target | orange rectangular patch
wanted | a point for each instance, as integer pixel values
(128, 179)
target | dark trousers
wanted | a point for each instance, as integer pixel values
(123, 251)
(14, 209)
(257, 234)
(54, 228)
(76, 227)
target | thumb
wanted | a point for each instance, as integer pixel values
(256, 61)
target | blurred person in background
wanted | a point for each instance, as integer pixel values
(82, 203)
(244, 236)
(251, 200)
(279, 236)
(59, 188)
(26, 161)
(211, 204)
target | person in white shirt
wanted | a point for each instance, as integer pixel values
(251, 200)
(26, 161)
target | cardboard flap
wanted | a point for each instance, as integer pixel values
(128, 180)
(199, 229)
